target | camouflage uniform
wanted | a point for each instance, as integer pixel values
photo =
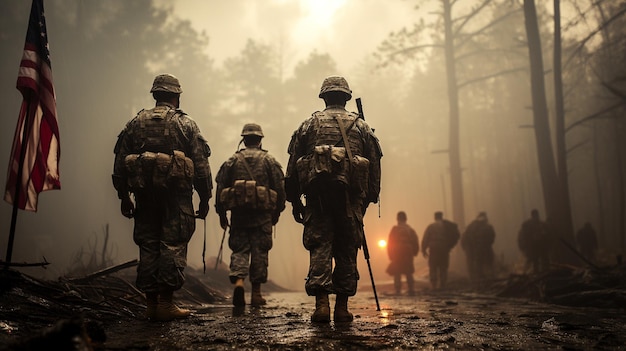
(333, 217)
(439, 238)
(164, 219)
(251, 230)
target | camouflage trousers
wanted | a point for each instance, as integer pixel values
(164, 224)
(250, 256)
(329, 234)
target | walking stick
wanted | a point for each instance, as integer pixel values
(219, 254)
(204, 249)
(366, 253)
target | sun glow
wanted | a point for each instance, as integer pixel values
(382, 243)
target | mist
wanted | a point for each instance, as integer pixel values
(251, 61)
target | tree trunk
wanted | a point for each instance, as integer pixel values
(454, 152)
(565, 219)
(549, 179)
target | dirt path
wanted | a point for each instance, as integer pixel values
(426, 321)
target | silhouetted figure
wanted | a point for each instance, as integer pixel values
(587, 241)
(477, 241)
(534, 242)
(402, 246)
(439, 238)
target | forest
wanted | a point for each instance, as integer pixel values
(501, 106)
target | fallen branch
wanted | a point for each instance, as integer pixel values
(106, 271)
(25, 264)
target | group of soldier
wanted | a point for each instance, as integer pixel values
(332, 175)
(535, 241)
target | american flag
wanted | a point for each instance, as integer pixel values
(35, 152)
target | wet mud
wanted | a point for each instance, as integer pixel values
(430, 320)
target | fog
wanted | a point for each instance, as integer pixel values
(263, 61)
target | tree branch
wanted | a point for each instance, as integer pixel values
(595, 115)
(474, 12)
(592, 34)
(489, 25)
(501, 73)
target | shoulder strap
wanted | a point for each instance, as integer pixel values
(241, 158)
(346, 143)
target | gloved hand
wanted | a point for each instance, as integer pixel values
(275, 217)
(127, 207)
(298, 211)
(223, 220)
(203, 209)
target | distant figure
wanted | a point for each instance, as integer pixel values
(534, 242)
(439, 238)
(334, 162)
(477, 241)
(402, 246)
(587, 241)
(250, 184)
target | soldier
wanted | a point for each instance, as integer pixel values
(402, 246)
(251, 186)
(161, 157)
(533, 241)
(477, 241)
(439, 238)
(587, 241)
(334, 161)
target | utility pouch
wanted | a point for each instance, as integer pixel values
(359, 175)
(266, 198)
(133, 170)
(182, 171)
(228, 199)
(162, 166)
(327, 163)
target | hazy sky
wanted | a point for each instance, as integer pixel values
(337, 27)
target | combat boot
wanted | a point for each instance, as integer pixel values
(152, 301)
(166, 310)
(238, 294)
(322, 309)
(341, 309)
(255, 298)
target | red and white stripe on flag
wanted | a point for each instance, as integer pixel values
(35, 152)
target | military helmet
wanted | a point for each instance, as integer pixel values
(166, 82)
(335, 83)
(252, 129)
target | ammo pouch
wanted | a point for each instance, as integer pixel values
(327, 163)
(359, 175)
(246, 195)
(159, 171)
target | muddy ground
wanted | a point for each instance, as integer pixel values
(443, 320)
(457, 319)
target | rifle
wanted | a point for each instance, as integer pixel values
(359, 107)
(366, 251)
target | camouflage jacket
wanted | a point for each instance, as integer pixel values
(163, 129)
(322, 128)
(267, 172)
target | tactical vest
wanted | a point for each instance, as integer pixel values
(327, 159)
(157, 164)
(250, 189)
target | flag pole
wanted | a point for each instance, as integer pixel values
(18, 184)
